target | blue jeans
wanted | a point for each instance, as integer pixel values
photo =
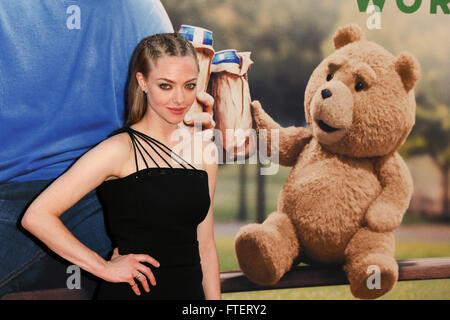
(25, 263)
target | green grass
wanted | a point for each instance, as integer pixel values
(417, 290)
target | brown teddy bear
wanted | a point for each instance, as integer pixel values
(348, 188)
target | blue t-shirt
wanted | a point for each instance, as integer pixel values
(63, 70)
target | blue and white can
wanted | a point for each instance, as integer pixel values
(226, 56)
(196, 35)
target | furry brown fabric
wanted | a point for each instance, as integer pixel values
(351, 33)
(348, 188)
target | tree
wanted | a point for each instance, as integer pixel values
(431, 135)
(242, 213)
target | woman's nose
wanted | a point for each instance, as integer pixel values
(178, 96)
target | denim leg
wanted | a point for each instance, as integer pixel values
(25, 263)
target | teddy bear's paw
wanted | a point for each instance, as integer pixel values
(261, 118)
(256, 255)
(380, 218)
(256, 112)
(372, 276)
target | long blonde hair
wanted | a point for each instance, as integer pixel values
(146, 54)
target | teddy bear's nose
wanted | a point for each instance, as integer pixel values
(326, 93)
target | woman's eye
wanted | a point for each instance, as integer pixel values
(164, 86)
(329, 76)
(359, 86)
(191, 86)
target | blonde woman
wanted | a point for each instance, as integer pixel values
(158, 206)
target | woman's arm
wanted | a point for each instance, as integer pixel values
(42, 217)
(205, 235)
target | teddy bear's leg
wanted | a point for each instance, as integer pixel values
(370, 264)
(266, 251)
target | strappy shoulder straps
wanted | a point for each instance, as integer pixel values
(137, 139)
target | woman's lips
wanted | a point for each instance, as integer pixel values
(177, 110)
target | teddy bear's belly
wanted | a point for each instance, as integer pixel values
(329, 202)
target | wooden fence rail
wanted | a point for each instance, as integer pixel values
(307, 276)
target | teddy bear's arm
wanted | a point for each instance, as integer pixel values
(386, 212)
(291, 140)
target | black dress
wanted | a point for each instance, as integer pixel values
(156, 211)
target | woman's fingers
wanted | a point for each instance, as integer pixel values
(139, 272)
(207, 100)
(134, 287)
(201, 119)
(141, 277)
(148, 274)
(115, 253)
(147, 258)
(143, 273)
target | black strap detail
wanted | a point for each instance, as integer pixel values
(137, 137)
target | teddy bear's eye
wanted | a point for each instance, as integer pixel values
(329, 76)
(359, 86)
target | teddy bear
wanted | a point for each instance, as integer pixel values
(348, 188)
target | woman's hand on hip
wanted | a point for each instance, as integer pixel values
(129, 268)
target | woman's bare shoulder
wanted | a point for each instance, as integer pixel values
(116, 148)
(117, 145)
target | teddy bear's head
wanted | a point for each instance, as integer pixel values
(360, 100)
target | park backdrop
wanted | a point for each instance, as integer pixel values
(288, 39)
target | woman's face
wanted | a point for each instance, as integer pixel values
(171, 87)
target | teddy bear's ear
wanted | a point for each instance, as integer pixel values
(346, 35)
(408, 68)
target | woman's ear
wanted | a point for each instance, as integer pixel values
(141, 81)
(408, 69)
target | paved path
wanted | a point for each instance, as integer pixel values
(419, 232)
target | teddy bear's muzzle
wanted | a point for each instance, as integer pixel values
(331, 111)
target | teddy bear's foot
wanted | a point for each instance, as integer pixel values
(372, 276)
(266, 251)
(256, 256)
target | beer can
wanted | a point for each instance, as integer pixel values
(232, 103)
(226, 56)
(202, 40)
(197, 35)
